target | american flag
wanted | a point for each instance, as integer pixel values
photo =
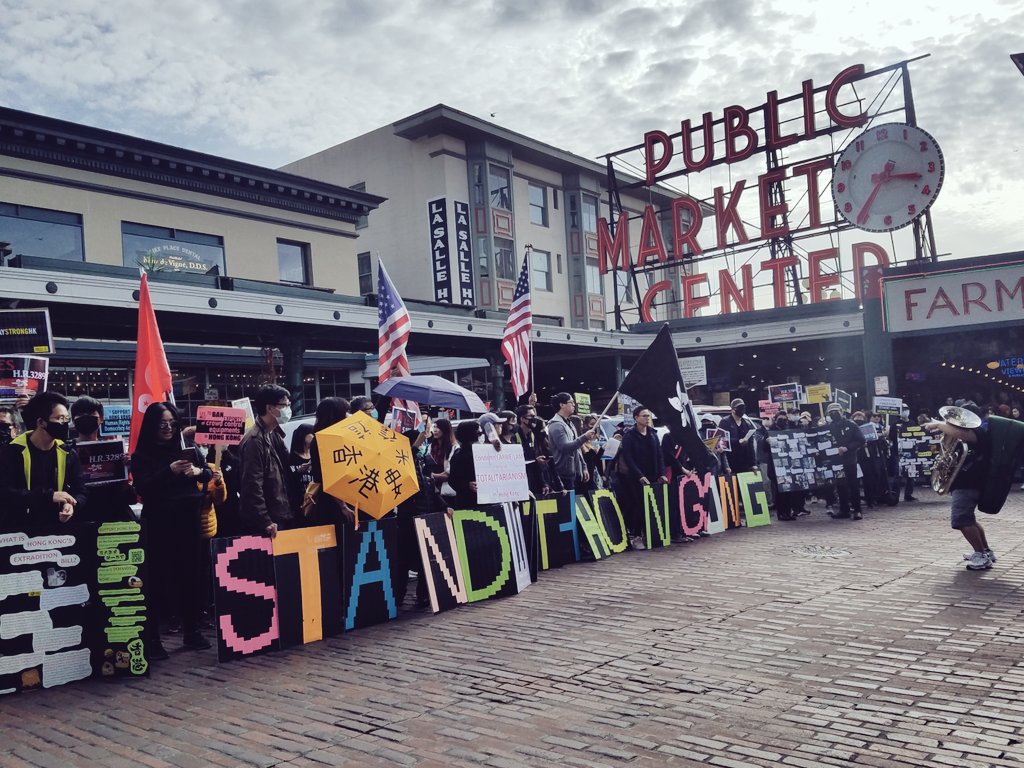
(393, 325)
(515, 343)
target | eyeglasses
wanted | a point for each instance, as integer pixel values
(61, 420)
(168, 424)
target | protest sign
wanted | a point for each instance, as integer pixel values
(220, 426)
(694, 371)
(246, 405)
(25, 332)
(500, 475)
(784, 393)
(439, 555)
(870, 431)
(890, 406)
(721, 437)
(71, 605)
(767, 409)
(917, 450)
(117, 421)
(582, 403)
(817, 393)
(307, 575)
(102, 461)
(844, 399)
(402, 420)
(22, 377)
(804, 460)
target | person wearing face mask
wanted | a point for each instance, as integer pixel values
(525, 434)
(107, 502)
(847, 437)
(741, 437)
(264, 483)
(40, 479)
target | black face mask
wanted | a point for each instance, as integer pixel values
(739, 410)
(858, 422)
(87, 424)
(836, 416)
(781, 424)
(57, 430)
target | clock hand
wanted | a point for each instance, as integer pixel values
(862, 215)
(879, 179)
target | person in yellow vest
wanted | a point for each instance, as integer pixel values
(40, 479)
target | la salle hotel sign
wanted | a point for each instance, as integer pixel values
(728, 139)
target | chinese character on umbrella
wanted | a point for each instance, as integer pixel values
(366, 465)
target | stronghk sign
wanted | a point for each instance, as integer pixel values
(735, 136)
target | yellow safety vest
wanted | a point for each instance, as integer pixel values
(26, 457)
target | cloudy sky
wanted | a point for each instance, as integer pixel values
(269, 81)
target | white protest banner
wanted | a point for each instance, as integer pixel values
(694, 370)
(500, 475)
(246, 405)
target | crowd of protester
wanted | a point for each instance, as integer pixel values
(263, 485)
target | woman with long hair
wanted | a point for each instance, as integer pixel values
(442, 443)
(169, 483)
(300, 467)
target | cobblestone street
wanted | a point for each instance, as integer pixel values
(813, 643)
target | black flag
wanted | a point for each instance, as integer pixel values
(656, 381)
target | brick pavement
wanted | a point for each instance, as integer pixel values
(815, 643)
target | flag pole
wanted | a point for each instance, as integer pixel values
(529, 336)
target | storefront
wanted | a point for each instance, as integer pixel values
(952, 329)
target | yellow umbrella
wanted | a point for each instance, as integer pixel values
(366, 465)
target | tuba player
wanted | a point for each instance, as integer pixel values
(968, 485)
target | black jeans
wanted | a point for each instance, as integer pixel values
(849, 490)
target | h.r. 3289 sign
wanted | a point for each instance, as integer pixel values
(887, 177)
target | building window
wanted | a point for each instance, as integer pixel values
(158, 249)
(364, 263)
(364, 220)
(505, 259)
(542, 271)
(554, 198)
(483, 252)
(538, 205)
(26, 231)
(589, 213)
(500, 183)
(593, 276)
(293, 262)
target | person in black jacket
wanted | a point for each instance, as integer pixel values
(462, 472)
(169, 483)
(641, 453)
(741, 437)
(107, 502)
(848, 438)
(40, 479)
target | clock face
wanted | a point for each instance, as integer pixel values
(887, 177)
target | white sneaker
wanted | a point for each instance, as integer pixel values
(989, 552)
(978, 561)
(637, 542)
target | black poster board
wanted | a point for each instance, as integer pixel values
(307, 573)
(25, 332)
(370, 568)
(485, 549)
(121, 606)
(441, 566)
(102, 461)
(245, 596)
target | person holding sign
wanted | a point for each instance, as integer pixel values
(848, 440)
(107, 502)
(40, 479)
(169, 479)
(741, 436)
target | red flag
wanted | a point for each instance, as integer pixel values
(152, 374)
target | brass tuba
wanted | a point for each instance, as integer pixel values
(952, 450)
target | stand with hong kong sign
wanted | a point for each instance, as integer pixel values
(25, 332)
(500, 475)
(219, 426)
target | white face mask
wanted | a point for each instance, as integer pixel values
(284, 414)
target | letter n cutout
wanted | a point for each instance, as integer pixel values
(729, 498)
(755, 500)
(656, 516)
(441, 566)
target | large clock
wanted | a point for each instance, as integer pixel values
(887, 177)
